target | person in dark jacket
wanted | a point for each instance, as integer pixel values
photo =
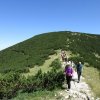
(79, 67)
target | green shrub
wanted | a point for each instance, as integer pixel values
(56, 64)
(12, 82)
(77, 59)
(37, 49)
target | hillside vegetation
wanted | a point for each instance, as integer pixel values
(32, 53)
(36, 50)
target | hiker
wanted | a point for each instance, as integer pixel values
(64, 56)
(69, 73)
(79, 70)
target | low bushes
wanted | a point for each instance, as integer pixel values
(12, 83)
(56, 64)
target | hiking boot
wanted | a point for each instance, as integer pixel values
(68, 89)
(78, 81)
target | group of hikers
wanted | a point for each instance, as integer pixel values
(70, 68)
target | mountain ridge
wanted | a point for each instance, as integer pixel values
(36, 50)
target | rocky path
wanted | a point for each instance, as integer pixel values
(78, 91)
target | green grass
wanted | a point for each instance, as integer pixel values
(92, 77)
(39, 95)
(45, 67)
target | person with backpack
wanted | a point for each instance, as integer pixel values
(69, 73)
(64, 56)
(79, 67)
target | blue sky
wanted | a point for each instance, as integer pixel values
(22, 19)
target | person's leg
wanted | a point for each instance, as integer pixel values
(79, 75)
(70, 78)
(63, 59)
(69, 81)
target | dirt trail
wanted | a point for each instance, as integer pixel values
(78, 91)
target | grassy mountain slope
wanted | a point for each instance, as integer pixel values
(37, 49)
